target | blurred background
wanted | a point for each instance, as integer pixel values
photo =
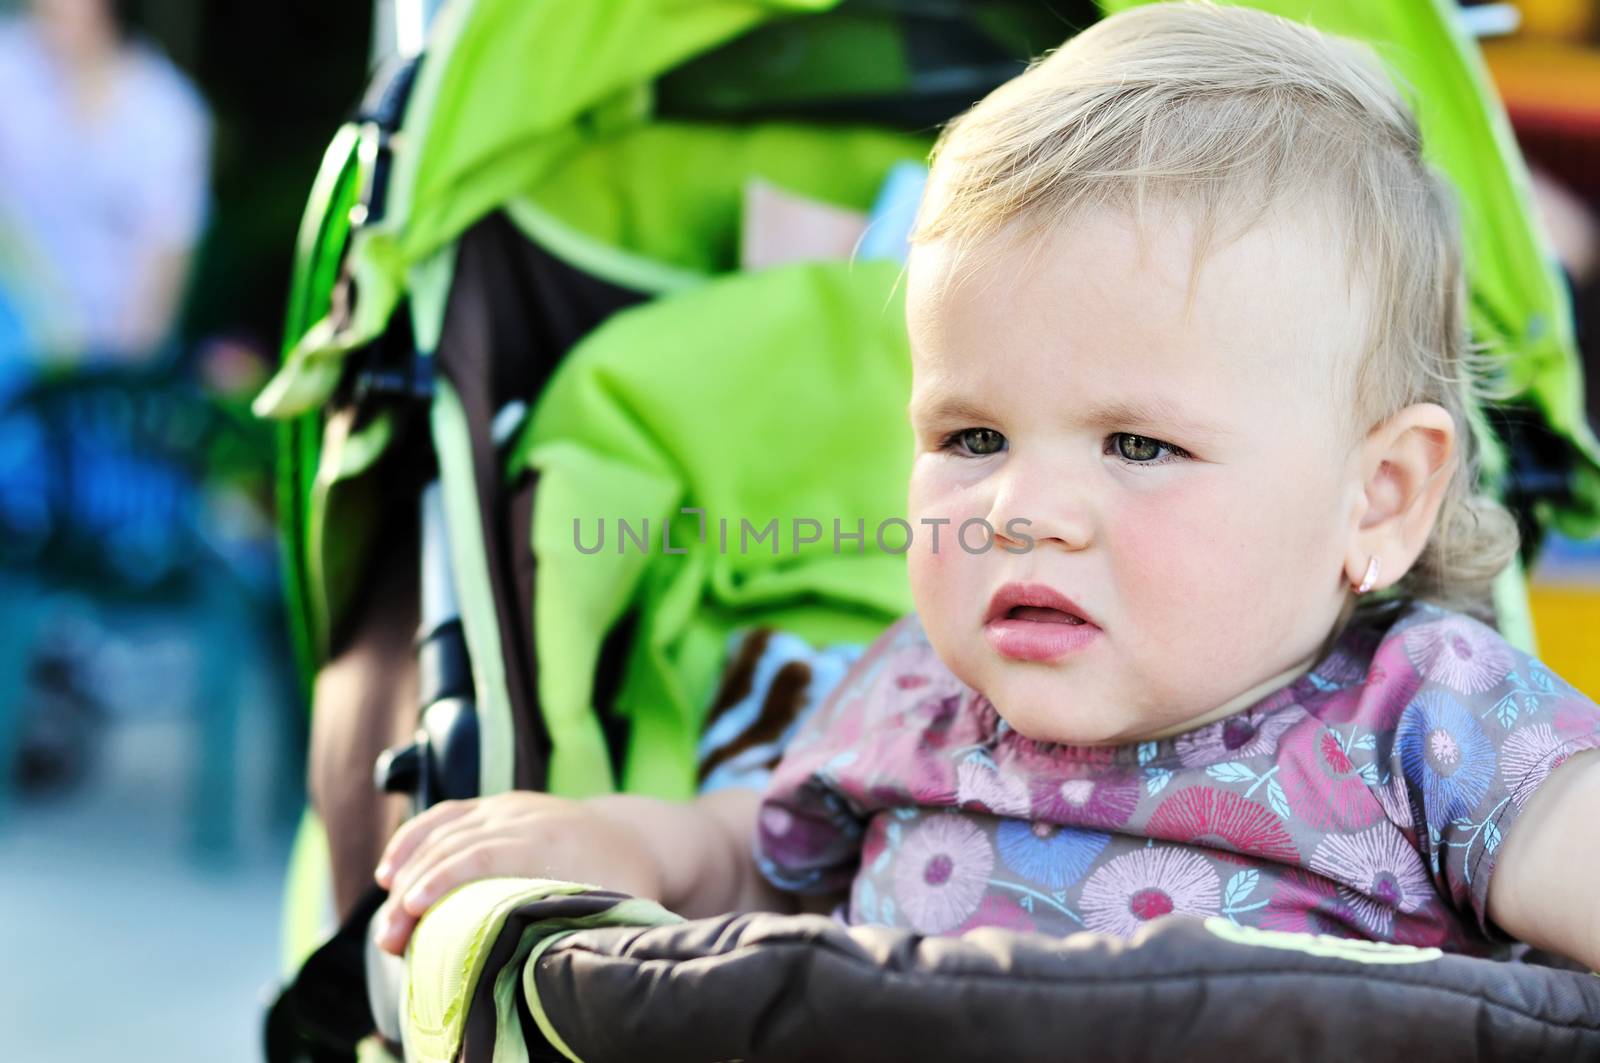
(154, 160)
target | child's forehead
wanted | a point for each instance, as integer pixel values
(1146, 296)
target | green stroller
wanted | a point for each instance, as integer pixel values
(517, 299)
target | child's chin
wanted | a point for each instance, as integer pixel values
(1084, 729)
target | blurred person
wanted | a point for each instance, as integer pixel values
(104, 165)
(104, 173)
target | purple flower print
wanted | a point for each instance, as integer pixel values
(1574, 718)
(1323, 782)
(1525, 759)
(1459, 653)
(1000, 912)
(1105, 802)
(1386, 871)
(941, 872)
(1042, 852)
(1309, 904)
(1381, 696)
(1033, 758)
(1223, 819)
(1254, 733)
(1445, 752)
(982, 788)
(1395, 798)
(909, 767)
(1427, 928)
(1347, 662)
(915, 684)
(1124, 894)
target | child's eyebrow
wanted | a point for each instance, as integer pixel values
(1158, 415)
(949, 408)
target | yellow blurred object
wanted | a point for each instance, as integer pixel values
(1568, 19)
(1545, 75)
(1566, 618)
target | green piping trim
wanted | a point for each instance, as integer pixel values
(1379, 953)
(315, 221)
(600, 259)
(496, 739)
(635, 912)
(430, 282)
(291, 491)
(530, 989)
(509, 1046)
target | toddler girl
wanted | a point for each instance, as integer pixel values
(1200, 574)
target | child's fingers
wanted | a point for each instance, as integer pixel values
(413, 833)
(392, 927)
(442, 844)
(474, 855)
(480, 859)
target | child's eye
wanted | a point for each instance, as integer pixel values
(977, 442)
(1142, 450)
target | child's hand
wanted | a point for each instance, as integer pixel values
(514, 833)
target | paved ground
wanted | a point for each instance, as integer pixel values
(119, 940)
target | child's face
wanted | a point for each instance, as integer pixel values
(1051, 388)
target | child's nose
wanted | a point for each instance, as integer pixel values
(1035, 506)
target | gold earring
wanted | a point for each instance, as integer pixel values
(1370, 576)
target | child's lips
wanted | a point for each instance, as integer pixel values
(1026, 638)
(1034, 601)
(1035, 622)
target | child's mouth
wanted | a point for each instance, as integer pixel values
(1042, 615)
(1035, 622)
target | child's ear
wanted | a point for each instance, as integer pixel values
(1406, 466)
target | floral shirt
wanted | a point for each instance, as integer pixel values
(1366, 799)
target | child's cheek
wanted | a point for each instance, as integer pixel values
(937, 504)
(928, 562)
(1179, 551)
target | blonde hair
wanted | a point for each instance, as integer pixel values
(1233, 113)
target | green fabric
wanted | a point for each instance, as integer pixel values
(307, 888)
(509, 1044)
(808, 371)
(479, 622)
(478, 149)
(465, 151)
(309, 332)
(624, 268)
(857, 52)
(652, 205)
(674, 192)
(318, 251)
(372, 1050)
(1513, 612)
(448, 951)
(1519, 305)
(339, 529)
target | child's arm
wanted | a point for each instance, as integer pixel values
(1546, 886)
(694, 857)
